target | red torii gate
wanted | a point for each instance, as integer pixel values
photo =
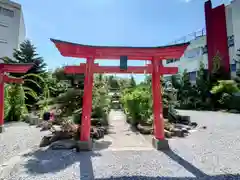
(9, 68)
(154, 54)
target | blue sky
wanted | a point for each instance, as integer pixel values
(109, 22)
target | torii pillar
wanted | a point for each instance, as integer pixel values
(9, 68)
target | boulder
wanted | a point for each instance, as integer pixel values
(178, 132)
(168, 134)
(46, 126)
(63, 144)
(144, 129)
(182, 126)
(61, 135)
(45, 141)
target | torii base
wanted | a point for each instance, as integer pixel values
(160, 144)
(1, 129)
(84, 145)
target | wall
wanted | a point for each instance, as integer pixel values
(235, 6)
(22, 30)
(9, 29)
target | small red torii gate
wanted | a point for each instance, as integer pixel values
(9, 68)
(154, 54)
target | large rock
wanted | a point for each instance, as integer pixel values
(144, 129)
(63, 144)
(61, 135)
(179, 132)
(97, 132)
(45, 141)
(46, 126)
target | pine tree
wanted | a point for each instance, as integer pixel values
(186, 91)
(27, 54)
(132, 82)
(202, 83)
(237, 62)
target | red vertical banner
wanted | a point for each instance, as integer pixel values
(210, 36)
(1, 100)
(217, 41)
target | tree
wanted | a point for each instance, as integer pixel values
(15, 96)
(175, 82)
(27, 54)
(113, 83)
(186, 91)
(132, 82)
(202, 83)
(237, 63)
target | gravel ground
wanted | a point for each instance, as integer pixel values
(212, 153)
(17, 138)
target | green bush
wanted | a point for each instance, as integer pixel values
(137, 104)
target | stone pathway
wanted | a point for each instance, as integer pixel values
(121, 136)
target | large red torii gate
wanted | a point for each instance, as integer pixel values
(154, 54)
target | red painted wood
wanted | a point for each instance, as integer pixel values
(157, 101)
(1, 100)
(68, 49)
(7, 79)
(13, 68)
(115, 69)
(216, 30)
(87, 101)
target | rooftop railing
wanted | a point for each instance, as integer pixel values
(189, 37)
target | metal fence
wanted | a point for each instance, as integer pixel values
(189, 37)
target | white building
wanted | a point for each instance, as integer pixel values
(12, 27)
(197, 50)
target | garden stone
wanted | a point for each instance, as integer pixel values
(182, 126)
(178, 132)
(167, 133)
(45, 141)
(193, 124)
(144, 129)
(63, 144)
(61, 135)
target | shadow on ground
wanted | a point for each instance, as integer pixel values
(219, 177)
(46, 161)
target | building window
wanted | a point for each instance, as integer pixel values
(231, 41)
(233, 67)
(6, 12)
(171, 60)
(204, 50)
(193, 53)
(3, 24)
(192, 76)
(3, 41)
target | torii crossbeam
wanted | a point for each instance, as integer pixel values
(155, 55)
(9, 68)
